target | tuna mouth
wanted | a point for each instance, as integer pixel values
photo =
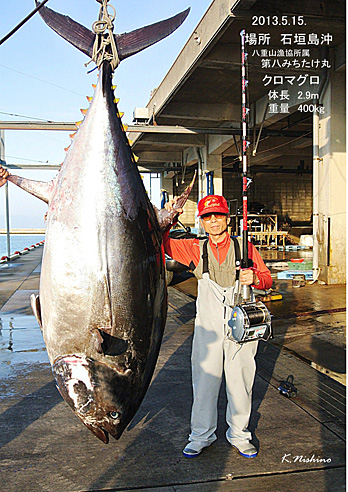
(102, 433)
(99, 432)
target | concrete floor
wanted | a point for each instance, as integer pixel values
(309, 321)
(301, 441)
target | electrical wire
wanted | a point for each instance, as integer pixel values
(15, 29)
(31, 160)
(41, 80)
(274, 148)
(27, 117)
(44, 134)
(285, 143)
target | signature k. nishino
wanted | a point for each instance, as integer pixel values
(289, 458)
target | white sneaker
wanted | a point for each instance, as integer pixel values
(193, 449)
(246, 449)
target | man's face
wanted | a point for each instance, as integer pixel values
(215, 224)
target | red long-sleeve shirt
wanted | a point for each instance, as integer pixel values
(186, 251)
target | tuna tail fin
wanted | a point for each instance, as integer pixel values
(166, 219)
(73, 32)
(128, 44)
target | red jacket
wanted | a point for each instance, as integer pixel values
(187, 250)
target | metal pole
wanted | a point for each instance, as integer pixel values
(7, 206)
(7, 210)
(316, 160)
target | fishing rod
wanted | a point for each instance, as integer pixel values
(246, 181)
(250, 320)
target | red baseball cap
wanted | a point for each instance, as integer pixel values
(212, 203)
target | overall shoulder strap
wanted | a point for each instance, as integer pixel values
(237, 255)
(205, 257)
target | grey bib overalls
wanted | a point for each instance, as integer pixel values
(213, 353)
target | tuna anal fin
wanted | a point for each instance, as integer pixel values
(36, 307)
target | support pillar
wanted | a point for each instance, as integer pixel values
(167, 184)
(208, 163)
(212, 163)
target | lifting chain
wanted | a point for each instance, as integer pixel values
(104, 37)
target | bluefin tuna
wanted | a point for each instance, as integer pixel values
(102, 302)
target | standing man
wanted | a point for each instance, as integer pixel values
(212, 352)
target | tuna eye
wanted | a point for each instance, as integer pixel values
(114, 415)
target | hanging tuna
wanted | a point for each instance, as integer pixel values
(103, 301)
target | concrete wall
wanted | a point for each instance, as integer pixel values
(332, 182)
(288, 195)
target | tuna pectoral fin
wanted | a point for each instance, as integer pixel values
(36, 307)
(111, 345)
(165, 218)
(40, 189)
(128, 43)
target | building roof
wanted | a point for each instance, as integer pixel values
(202, 89)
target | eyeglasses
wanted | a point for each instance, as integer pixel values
(207, 217)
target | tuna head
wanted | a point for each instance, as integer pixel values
(103, 398)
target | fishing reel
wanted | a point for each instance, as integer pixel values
(287, 388)
(249, 321)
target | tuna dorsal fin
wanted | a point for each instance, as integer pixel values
(128, 44)
(165, 218)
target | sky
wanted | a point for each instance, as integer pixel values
(44, 77)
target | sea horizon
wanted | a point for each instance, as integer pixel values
(18, 242)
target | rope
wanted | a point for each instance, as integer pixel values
(103, 29)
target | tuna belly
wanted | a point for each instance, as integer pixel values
(93, 301)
